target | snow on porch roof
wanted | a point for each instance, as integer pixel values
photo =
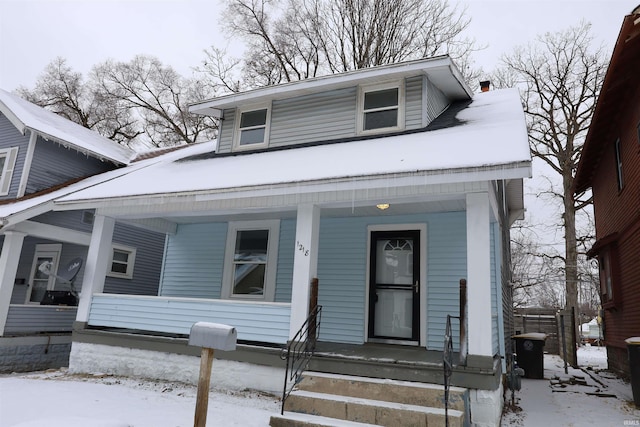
(489, 134)
(25, 115)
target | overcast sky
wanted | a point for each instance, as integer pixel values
(87, 32)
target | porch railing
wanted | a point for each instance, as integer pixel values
(299, 351)
(447, 355)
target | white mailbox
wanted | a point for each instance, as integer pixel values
(213, 335)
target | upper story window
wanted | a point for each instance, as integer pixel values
(7, 164)
(381, 108)
(122, 261)
(619, 175)
(252, 128)
(250, 260)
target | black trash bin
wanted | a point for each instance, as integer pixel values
(633, 345)
(530, 354)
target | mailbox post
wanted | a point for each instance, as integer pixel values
(209, 336)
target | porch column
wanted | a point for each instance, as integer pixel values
(305, 264)
(9, 258)
(96, 266)
(479, 275)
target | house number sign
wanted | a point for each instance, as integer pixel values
(302, 249)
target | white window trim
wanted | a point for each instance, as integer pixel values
(236, 130)
(6, 174)
(269, 293)
(130, 262)
(399, 84)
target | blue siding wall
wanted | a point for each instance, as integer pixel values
(149, 247)
(148, 263)
(10, 137)
(342, 273)
(54, 164)
(194, 258)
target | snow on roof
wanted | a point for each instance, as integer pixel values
(24, 209)
(25, 115)
(490, 134)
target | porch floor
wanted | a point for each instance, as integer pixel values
(384, 353)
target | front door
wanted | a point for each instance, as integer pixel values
(394, 288)
(40, 282)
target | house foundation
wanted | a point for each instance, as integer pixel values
(34, 353)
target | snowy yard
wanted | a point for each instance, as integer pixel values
(583, 397)
(590, 396)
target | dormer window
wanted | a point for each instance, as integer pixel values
(252, 130)
(381, 108)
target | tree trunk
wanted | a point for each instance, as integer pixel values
(571, 250)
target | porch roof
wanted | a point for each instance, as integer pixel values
(488, 141)
(16, 211)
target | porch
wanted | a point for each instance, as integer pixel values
(163, 324)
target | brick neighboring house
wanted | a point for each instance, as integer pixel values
(610, 167)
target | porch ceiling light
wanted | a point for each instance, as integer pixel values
(382, 206)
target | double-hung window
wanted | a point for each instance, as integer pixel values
(250, 260)
(122, 261)
(252, 129)
(381, 108)
(7, 163)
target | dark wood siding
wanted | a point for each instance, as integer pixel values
(619, 212)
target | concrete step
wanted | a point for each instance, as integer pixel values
(376, 412)
(293, 419)
(407, 392)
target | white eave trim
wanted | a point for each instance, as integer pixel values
(389, 182)
(435, 66)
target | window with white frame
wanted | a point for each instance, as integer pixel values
(122, 261)
(252, 128)
(7, 163)
(250, 260)
(381, 107)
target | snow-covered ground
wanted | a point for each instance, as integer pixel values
(589, 396)
(58, 399)
(583, 397)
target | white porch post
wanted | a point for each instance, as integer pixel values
(479, 274)
(95, 268)
(305, 264)
(11, 250)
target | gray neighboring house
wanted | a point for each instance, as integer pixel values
(388, 185)
(44, 156)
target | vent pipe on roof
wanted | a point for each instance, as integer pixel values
(485, 85)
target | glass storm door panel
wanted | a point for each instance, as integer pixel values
(394, 299)
(40, 282)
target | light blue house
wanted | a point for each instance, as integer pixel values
(44, 156)
(387, 184)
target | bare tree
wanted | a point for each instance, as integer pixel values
(64, 91)
(141, 102)
(560, 76)
(158, 95)
(292, 40)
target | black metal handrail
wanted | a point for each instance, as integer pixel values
(299, 351)
(447, 363)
